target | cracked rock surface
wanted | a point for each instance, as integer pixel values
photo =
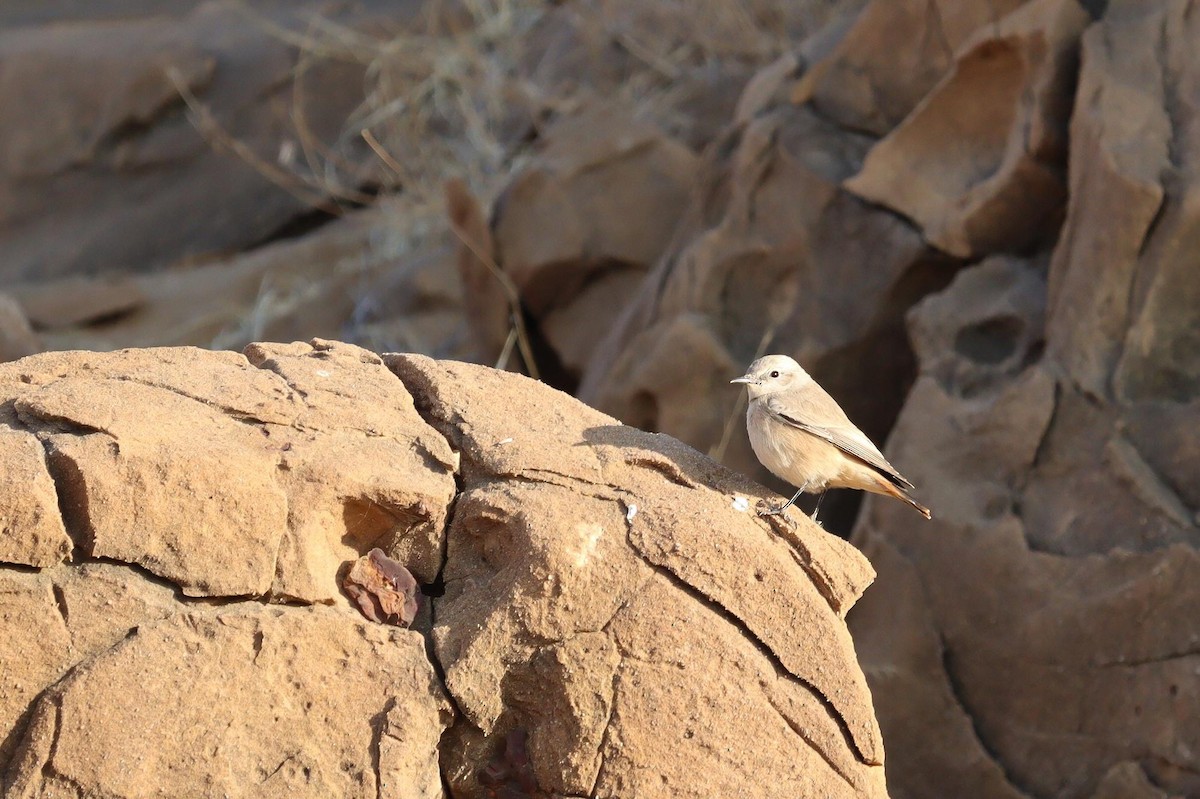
(190, 515)
(177, 524)
(602, 595)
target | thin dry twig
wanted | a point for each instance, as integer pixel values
(506, 350)
(320, 158)
(308, 191)
(384, 155)
(340, 42)
(511, 293)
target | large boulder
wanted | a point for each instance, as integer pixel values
(197, 492)
(605, 610)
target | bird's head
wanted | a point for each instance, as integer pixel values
(772, 373)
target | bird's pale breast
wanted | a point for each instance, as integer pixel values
(791, 454)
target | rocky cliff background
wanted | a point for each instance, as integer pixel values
(975, 222)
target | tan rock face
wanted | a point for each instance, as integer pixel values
(195, 474)
(277, 697)
(894, 52)
(102, 167)
(611, 611)
(1004, 105)
(1122, 291)
(1040, 629)
(258, 450)
(32, 532)
(574, 588)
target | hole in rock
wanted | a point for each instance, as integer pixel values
(991, 341)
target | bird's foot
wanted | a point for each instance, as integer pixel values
(766, 509)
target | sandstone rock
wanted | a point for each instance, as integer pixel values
(139, 441)
(1129, 505)
(1122, 337)
(592, 168)
(992, 315)
(779, 714)
(295, 703)
(360, 277)
(1122, 291)
(292, 702)
(37, 650)
(1004, 104)
(124, 499)
(394, 480)
(1065, 484)
(613, 611)
(100, 167)
(584, 580)
(52, 621)
(585, 220)
(892, 55)
(31, 528)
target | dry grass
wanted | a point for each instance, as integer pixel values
(447, 96)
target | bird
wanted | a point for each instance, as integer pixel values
(803, 437)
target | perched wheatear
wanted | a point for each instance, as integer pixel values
(802, 436)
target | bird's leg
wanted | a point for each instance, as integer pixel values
(816, 510)
(786, 505)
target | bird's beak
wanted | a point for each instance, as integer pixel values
(742, 379)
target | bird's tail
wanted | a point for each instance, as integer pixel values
(892, 490)
(921, 509)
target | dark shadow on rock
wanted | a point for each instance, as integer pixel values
(675, 460)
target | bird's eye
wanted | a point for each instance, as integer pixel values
(775, 373)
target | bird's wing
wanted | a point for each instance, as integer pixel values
(809, 412)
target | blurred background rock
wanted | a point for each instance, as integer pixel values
(975, 223)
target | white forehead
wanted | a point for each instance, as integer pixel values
(780, 363)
